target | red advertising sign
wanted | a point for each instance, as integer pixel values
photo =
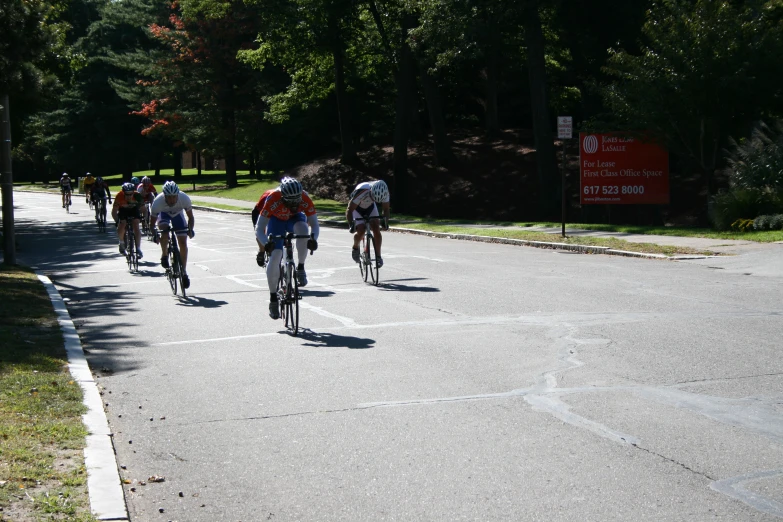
(622, 170)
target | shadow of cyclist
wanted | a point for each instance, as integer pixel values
(201, 302)
(393, 285)
(328, 340)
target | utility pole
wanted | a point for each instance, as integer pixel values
(9, 246)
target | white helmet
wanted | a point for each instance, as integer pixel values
(380, 192)
(290, 188)
(170, 188)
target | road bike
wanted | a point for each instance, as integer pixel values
(131, 254)
(368, 259)
(175, 273)
(101, 219)
(146, 230)
(288, 295)
(68, 202)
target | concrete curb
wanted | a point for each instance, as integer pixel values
(107, 499)
(582, 249)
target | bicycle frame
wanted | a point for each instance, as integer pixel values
(131, 255)
(288, 295)
(368, 262)
(175, 273)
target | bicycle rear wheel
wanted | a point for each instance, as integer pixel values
(129, 244)
(372, 258)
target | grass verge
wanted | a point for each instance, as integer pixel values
(42, 473)
(614, 243)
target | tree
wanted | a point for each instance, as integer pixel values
(690, 82)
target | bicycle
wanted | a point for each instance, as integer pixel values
(368, 259)
(68, 202)
(101, 216)
(131, 255)
(174, 273)
(288, 295)
(146, 229)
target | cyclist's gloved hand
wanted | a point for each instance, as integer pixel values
(352, 227)
(261, 258)
(191, 233)
(269, 247)
(312, 244)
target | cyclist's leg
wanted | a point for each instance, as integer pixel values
(62, 190)
(357, 237)
(137, 235)
(180, 225)
(121, 229)
(163, 224)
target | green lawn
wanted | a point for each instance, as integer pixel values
(42, 474)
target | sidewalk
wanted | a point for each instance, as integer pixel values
(720, 246)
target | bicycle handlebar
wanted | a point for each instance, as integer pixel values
(290, 235)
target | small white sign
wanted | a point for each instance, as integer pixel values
(564, 127)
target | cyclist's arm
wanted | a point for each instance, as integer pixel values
(261, 224)
(386, 211)
(349, 211)
(115, 210)
(314, 227)
(191, 219)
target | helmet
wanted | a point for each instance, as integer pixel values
(291, 189)
(128, 187)
(146, 180)
(380, 192)
(135, 180)
(99, 179)
(170, 188)
(88, 174)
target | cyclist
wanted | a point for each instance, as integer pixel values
(135, 181)
(167, 208)
(127, 204)
(287, 208)
(363, 204)
(89, 181)
(65, 186)
(100, 190)
(148, 192)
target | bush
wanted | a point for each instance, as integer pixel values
(757, 162)
(776, 222)
(744, 203)
(761, 222)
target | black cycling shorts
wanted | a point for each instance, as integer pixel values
(130, 212)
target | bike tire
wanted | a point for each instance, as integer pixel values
(363, 259)
(292, 302)
(173, 271)
(290, 277)
(372, 259)
(281, 292)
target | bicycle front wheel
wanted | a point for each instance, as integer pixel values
(363, 268)
(372, 259)
(293, 310)
(172, 272)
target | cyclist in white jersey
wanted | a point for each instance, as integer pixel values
(65, 186)
(167, 209)
(363, 205)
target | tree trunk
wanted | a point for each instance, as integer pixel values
(443, 153)
(177, 163)
(545, 147)
(348, 155)
(198, 163)
(491, 103)
(403, 78)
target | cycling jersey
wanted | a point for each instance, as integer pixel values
(88, 181)
(122, 201)
(148, 192)
(100, 190)
(65, 183)
(362, 196)
(159, 205)
(275, 207)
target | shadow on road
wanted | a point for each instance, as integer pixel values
(395, 286)
(202, 302)
(328, 340)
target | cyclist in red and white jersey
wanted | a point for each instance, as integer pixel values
(287, 208)
(148, 192)
(363, 204)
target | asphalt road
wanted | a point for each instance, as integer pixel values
(478, 382)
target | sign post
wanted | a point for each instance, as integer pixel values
(564, 132)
